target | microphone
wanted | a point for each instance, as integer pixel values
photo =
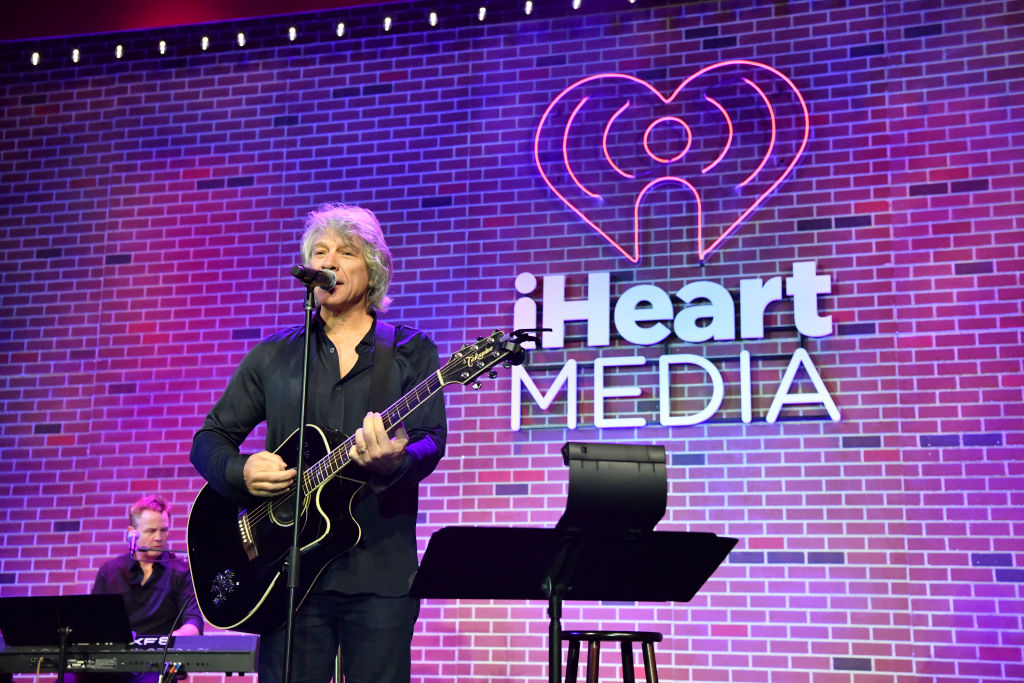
(324, 279)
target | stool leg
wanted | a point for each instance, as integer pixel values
(627, 662)
(572, 666)
(650, 667)
(593, 661)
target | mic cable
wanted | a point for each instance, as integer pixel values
(167, 646)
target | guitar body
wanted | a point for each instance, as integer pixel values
(239, 558)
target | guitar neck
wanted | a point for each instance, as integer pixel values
(332, 463)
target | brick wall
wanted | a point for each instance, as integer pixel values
(151, 206)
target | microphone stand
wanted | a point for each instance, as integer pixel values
(293, 561)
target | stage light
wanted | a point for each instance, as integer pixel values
(481, 13)
(75, 55)
(432, 19)
(119, 51)
(340, 30)
(387, 24)
(163, 47)
(576, 4)
(35, 59)
(528, 8)
(292, 33)
(205, 43)
(241, 39)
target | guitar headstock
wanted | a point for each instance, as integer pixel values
(472, 360)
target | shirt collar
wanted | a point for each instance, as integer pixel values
(364, 344)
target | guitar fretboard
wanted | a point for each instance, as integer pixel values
(328, 466)
(462, 368)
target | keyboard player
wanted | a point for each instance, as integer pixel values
(155, 583)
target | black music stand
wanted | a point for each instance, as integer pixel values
(604, 561)
(65, 620)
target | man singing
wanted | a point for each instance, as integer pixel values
(360, 601)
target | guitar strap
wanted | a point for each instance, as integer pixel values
(383, 354)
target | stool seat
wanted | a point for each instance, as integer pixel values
(626, 640)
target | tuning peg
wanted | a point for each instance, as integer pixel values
(506, 364)
(479, 338)
(492, 374)
(477, 385)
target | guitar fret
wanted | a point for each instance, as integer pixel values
(334, 461)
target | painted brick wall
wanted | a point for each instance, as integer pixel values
(151, 207)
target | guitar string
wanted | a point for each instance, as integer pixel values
(262, 511)
(340, 454)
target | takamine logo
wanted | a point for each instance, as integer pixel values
(717, 146)
(715, 149)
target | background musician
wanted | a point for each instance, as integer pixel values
(154, 582)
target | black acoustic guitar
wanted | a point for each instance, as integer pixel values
(238, 556)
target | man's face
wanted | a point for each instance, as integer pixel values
(152, 533)
(345, 258)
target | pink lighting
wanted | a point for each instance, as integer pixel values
(667, 119)
(728, 140)
(661, 181)
(565, 149)
(771, 141)
(590, 155)
(604, 143)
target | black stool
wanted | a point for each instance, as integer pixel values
(625, 638)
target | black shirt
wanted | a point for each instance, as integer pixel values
(153, 606)
(266, 387)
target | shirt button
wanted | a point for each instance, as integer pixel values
(331, 349)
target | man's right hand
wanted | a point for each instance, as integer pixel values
(266, 474)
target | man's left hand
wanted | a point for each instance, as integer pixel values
(375, 450)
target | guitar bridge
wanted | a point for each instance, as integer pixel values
(245, 533)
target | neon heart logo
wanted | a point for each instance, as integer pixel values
(717, 147)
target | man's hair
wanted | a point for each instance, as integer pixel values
(151, 502)
(360, 226)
